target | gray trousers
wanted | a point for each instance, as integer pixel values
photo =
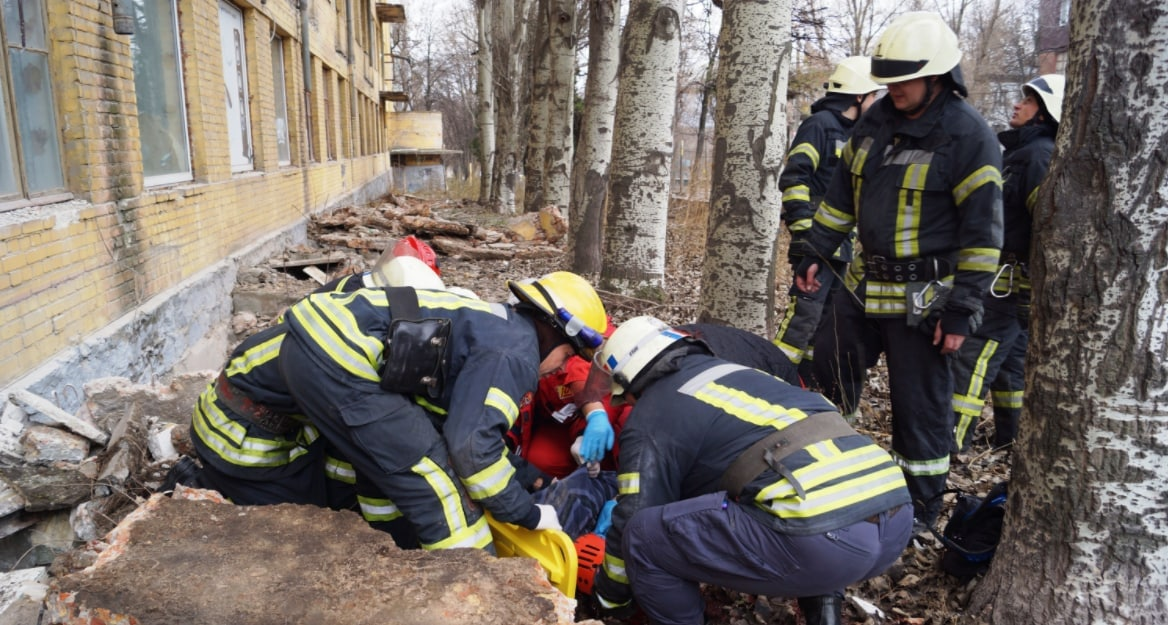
(670, 549)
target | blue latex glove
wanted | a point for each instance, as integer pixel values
(598, 436)
(604, 520)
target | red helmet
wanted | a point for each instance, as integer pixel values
(413, 246)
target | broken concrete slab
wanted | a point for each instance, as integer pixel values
(46, 445)
(22, 595)
(48, 487)
(175, 562)
(57, 416)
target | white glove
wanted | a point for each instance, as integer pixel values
(548, 519)
(576, 450)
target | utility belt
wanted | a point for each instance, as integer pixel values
(416, 359)
(770, 451)
(923, 269)
(253, 411)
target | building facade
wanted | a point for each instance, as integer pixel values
(148, 148)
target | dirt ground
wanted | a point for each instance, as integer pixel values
(913, 591)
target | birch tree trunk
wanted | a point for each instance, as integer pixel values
(486, 99)
(561, 27)
(738, 275)
(591, 160)
(534, 166)
(510, 20)
(1086, 536)
(642, 150)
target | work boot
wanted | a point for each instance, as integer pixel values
(185, 472)
(822, 610)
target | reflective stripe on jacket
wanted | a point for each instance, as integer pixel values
(688, 427)
(813, 156)
(493, 363)
(235, 445)
(927, 187)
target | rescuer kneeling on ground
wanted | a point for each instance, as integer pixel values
(730, 476)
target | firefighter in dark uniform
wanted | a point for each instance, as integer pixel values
(254, 444)
(810, 163)
(995, 352)
(416, 389)
(920, 180)
(252, 440)
(730, 476)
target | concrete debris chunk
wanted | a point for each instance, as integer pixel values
(45, 445)
(48, 488)
(22, 595)
(55, 415)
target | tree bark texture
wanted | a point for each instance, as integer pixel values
(510, 20)
(738, 275)
(561, 26)
(1086, 536)
(591, 160)
(486, 99)
(642, 150)
(535, 165)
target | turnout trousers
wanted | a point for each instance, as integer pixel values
(671, 549)
(390, 441)
(920, 387)
(980, 363)
(805, 318)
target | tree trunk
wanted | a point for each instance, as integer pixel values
(1086, 536)
(738, 275)
(535, 165)
(642, 150)
(561, 27)
(511, 27)
(590, 168)
(486, 93)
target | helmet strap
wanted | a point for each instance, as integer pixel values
(548, 336)
(932, 84)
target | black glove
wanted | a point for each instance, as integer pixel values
(529, 475)
(809, 261)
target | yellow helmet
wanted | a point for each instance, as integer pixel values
(851, 77)
(570, 304)
(914, 45)
(1049, 89)
(634, 346)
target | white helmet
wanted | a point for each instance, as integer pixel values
(633, 347)
(851, 77)
(405, 271)
(914, 45)
(1049, 89)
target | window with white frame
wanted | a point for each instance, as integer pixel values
(162, 113)
(283, 149)
(235, 82)
(30, 143)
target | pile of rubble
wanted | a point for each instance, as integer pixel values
(67, 480)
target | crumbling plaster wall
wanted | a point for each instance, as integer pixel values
(184, 328)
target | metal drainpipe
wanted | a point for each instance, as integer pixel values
(305, 49)
(354, 140)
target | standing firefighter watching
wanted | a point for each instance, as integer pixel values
(416, 389)
(921, 183)
(810, 163)
(730, 476)
(996, 351)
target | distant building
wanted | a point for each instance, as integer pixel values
(1054, 35)
(150, 148)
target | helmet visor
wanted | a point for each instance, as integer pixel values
(584, 339)
(890, 69)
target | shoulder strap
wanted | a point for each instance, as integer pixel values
(403, 302)
(770, 450)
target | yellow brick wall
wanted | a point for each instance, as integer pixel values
(69, 269)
